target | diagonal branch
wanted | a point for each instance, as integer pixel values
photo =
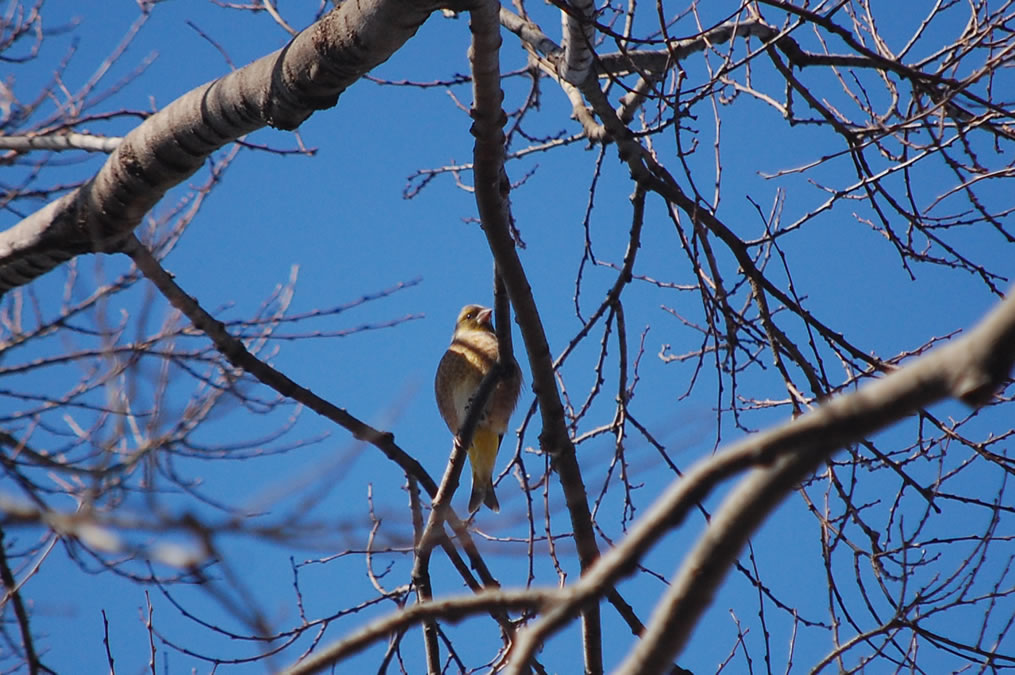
(970, 369)
(234, 350)
(450, 609)
(281, 90)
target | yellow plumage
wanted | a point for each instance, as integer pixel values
(472, 354)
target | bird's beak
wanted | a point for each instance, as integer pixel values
(484, 317)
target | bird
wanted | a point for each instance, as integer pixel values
(473, 352)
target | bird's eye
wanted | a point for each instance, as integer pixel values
(470, 315)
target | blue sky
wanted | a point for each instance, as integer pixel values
(341, 219)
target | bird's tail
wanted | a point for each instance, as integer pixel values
(482, 456)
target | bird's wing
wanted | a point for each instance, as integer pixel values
(458, 377)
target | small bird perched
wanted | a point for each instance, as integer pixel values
(473, 352)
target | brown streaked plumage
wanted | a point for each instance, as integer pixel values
(472, 354)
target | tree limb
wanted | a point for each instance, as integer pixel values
(281, 90)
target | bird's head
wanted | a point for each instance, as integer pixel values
(474, 317)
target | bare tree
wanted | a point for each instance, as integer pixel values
(894, 132)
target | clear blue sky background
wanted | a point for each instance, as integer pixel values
(341, 218)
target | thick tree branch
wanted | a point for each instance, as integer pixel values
(450, 609)
(579, 31)
(970, 369)
(281, 90)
